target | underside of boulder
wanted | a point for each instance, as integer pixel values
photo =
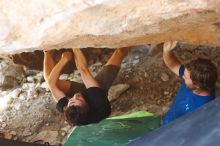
(34, 60)
(43, 25)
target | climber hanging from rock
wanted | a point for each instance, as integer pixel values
(198, 86)
(87, 102)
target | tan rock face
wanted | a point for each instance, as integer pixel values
(30, 25)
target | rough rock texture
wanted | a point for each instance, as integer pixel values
(30, 25)
(34, 60)
(9, 75)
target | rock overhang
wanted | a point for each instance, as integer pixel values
(29, 26)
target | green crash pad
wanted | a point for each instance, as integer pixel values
(114, 131)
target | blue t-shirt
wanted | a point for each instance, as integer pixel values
(185, 101)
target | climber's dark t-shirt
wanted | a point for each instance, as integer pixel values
(96, 98)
